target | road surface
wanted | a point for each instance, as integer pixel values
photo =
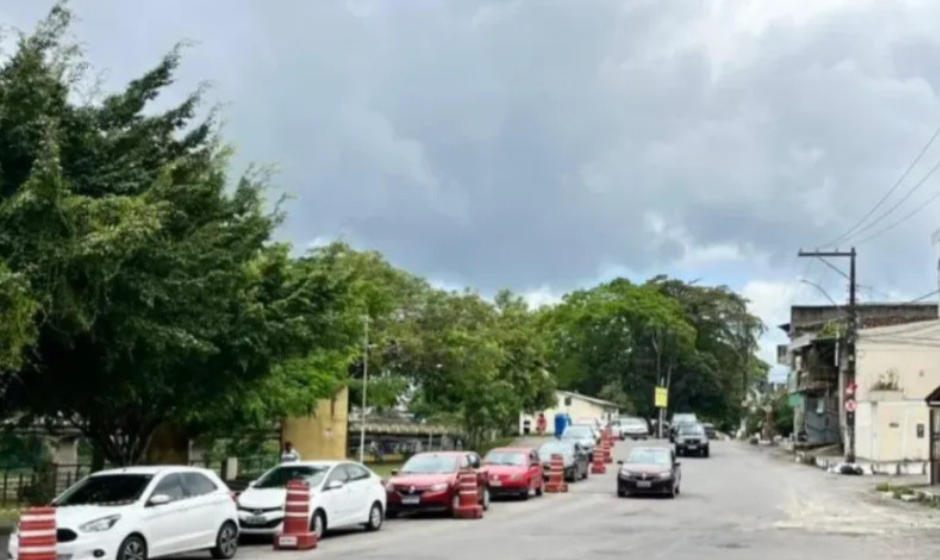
(741, 503)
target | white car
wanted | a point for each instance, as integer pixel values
(342, 494)
(138, 513)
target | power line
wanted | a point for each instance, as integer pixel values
(907, 217)
(834, 267)
(925, 296)
(848, 233)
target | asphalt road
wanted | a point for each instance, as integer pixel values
(741, 503)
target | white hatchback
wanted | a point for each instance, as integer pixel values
(342, 494)
(138, 513)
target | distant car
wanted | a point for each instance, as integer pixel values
(678, 420)
(514, 471)
(428, 482)
(575, 458)
(710, 430)
(136, 513)
(649, 470)
(583, 434)
(692, 439)
(342, 494)
(634, 428)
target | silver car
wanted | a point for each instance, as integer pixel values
(633, 428)
(584, 435)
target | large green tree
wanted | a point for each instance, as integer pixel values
(154, 290)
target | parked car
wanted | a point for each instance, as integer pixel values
(342, 494)
(137, 513)
(678, 420)
(649, 470)
(428, 482)
(584, 435)
(576, 460)
(690, 439)
(634, 428)
(514, 471)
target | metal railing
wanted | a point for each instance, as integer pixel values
(24, 487)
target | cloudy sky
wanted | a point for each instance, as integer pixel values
(545, 145)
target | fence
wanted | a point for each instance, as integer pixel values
(25, 486)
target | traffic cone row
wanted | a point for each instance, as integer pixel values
(469, 507)
(556, 476)
(607, 442)
(296, 534)
(37, 532)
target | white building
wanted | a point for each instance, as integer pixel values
(897, 367)
(579, 407)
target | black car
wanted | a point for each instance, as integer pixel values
(692, 439)
(575, 456)
(649, 470)
(678, 420)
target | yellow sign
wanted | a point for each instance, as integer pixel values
(662, 397)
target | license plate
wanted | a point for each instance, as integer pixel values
(254, 520)
(411, 500)
(643, 484)
(692, 446)
(496, 483)
(284, 540)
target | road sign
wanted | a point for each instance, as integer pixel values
(850, 406)
(661, 397)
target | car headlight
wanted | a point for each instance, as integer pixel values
(99, 525)
(665, 475)
(440, 487)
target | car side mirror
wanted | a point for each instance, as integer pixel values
(158, 500)
(620, 463)
(252, 484)
(394, 472)
(334, 485)
(678, 464)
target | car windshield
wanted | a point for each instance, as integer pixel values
(110, 489)
(683, 418)
(551, 448)
(430, 464)
(280, 476)
(512, 458)
(578, 432)
(691, 430)
(649, 457)
(633, 422)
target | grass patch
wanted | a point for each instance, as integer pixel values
(8, 518)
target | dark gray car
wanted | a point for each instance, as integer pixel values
(692, 439)
(576, 458)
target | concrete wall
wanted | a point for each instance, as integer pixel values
(579, 408)
(887, 420)
(322, 435)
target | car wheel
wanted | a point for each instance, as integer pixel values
(622, 492)
(318, 524)
(375, 517)
(673, 491)
(486, 499)
(540, 489)
(226, 542)
(133, 548)
(678, 489)
(455, 503)
(707, 452)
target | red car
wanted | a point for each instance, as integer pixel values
(428, 482)
(515, 471)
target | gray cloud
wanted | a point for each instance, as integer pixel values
(528, 143)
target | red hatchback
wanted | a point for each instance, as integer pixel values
(428, 482)
(515, 471)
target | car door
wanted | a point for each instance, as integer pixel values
(205, 502)
(360, 496)
(170, 525)
(336, 501)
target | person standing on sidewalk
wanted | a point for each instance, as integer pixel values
(290, 455)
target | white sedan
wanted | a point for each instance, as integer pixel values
(342, 494)
(138, 513)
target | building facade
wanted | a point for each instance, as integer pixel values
(576, 405)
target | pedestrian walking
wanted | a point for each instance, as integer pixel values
(290, 455)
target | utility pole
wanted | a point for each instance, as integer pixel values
(851, 334)
(365, 385)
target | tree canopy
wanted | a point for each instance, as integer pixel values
(142, 283)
